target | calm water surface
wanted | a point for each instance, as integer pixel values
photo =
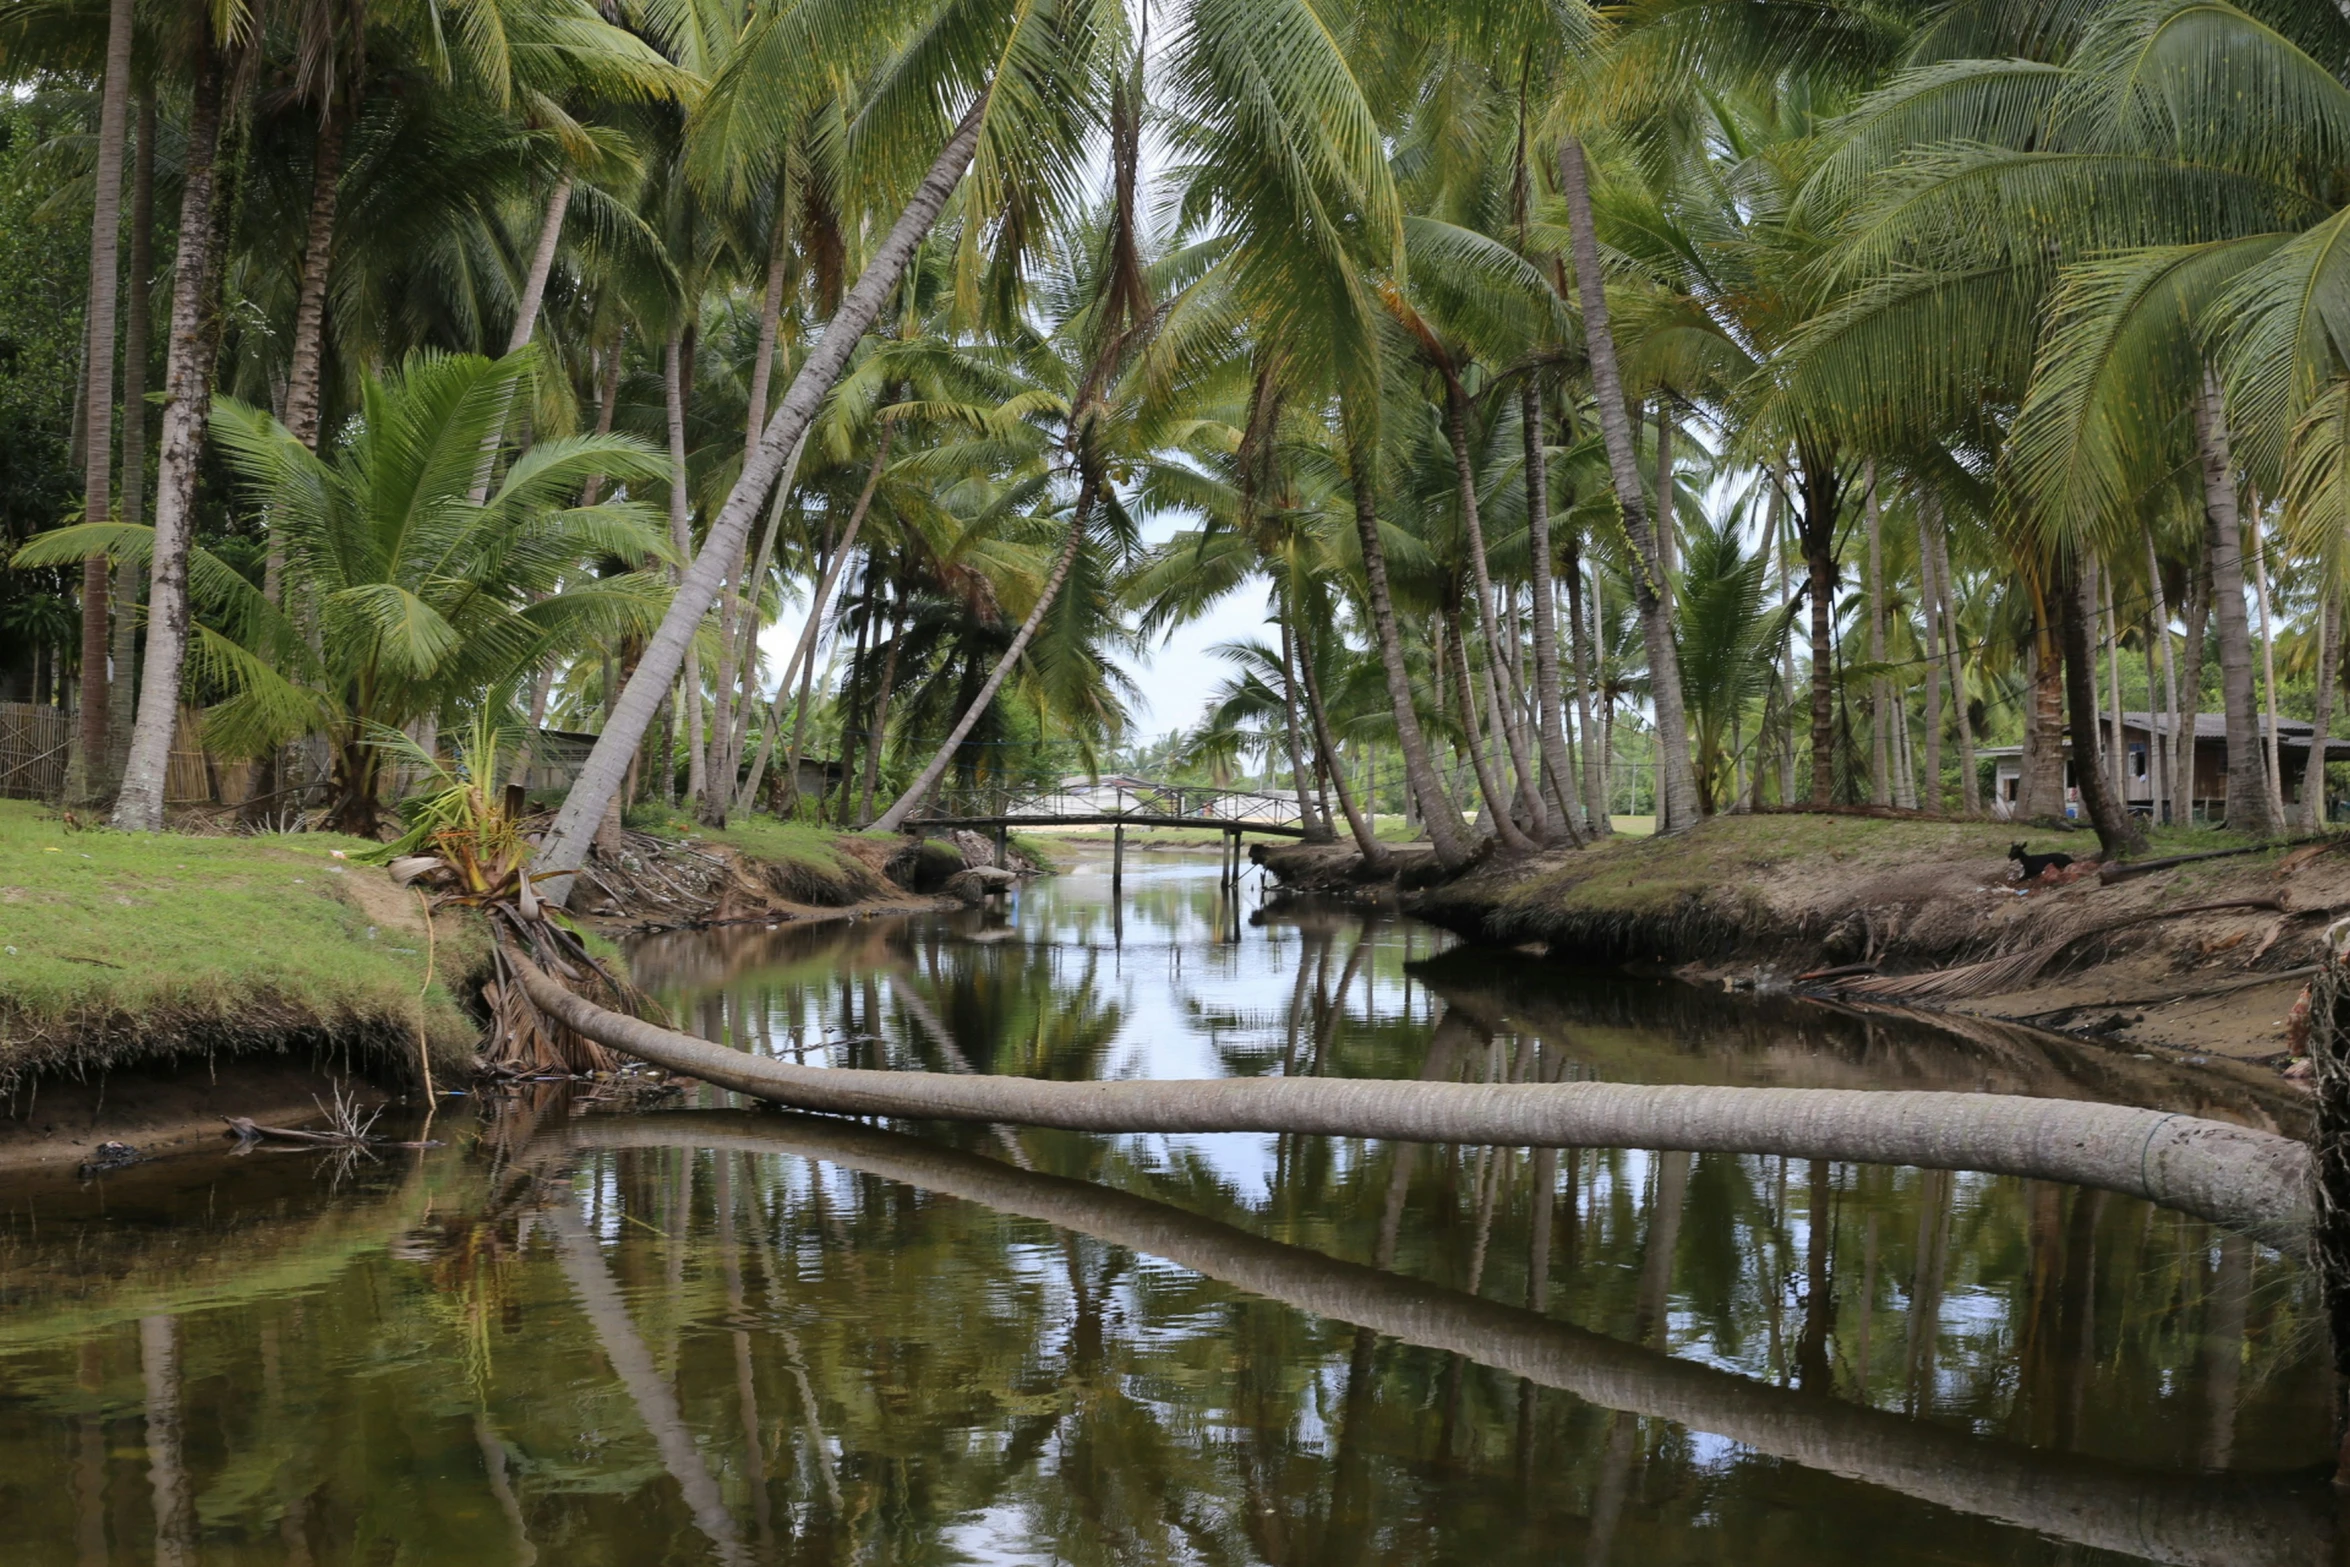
(712, 1334)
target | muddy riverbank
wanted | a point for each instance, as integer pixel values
(2205, 957)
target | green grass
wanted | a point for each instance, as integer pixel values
(167, 932)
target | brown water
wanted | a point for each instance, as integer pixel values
(707, 1334)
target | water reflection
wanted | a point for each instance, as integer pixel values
(724, 1336)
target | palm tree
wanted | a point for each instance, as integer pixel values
(428, 604)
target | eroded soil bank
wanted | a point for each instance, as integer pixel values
(1780, 901)
(150, 985)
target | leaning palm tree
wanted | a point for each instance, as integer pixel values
(426, 602)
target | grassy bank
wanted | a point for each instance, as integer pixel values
(116, 947)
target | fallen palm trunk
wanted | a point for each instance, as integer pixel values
(2209, 1521)
(2246, 1180)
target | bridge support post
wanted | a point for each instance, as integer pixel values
(1224, 865)
(1003, 847)
(1117, 856)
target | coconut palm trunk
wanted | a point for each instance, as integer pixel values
(1490, 786)
(1317, 826)
(2313, 775)
(880, 726)
(187, 384)
(681, 539)
(2117, 834)
(803, 659)
(1930, 612)
(2186, 710)
(1080, 518)
(1676, 781)
(1880, 689)
(1595, 786)
(1557, 765)
(1946, 587)
(2248, 808)
(85, 777)
(1376, 859)
(1529, 789)
(526, 314)
(1440, 816)
(2271, 753)
(2232, 1175)
(138, 317)
(600, 777)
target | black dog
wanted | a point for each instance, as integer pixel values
(2034, 864)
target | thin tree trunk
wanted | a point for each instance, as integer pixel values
(895, 817)
(1439, 815)
(803, 659)
(566, 843)
(187, 384)
(2158, 633)
(1677, 783)
(542, 266)
(1930, 608)
(1465, 486)
(880, 729)
(2117, 835)
(1880, 689)
(1376, 859)
(138, 315)
(1595, 793)
(2248, 802)
(1820, 567)
(681, 539)
(1317, 827)
(2186, 716)
(1782, 544)
(747, 704)
(2273, 750)
(86, 772)
(1971, 787)
(2313, 775)
(2120, 756)
(1557, 765)
(1490, 787)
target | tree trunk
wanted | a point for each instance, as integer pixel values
(1677, 783)
(1880, 689)
(187, 384)
(526, 315)
(2313, 776)
(880, 729)
(138, 314)
(1557, 765)
(803, 659)
(1439, 815)
(2231, 1175)
(2248, 808)
(1595, 790)
(305, 357)
(1317, 827)
(1930, 608)
(2188, 712)
(2117, 834)
(86, 771)
(2119, 756)
(2044, 756)
(567, 842)
(681, 539)
(2271, 752)
(1464, 478)
(746, 658)
(1088, 493)
(1376, 859)
(2158, 634)
(1820, 569)
(1946, 586)
(1490, 787)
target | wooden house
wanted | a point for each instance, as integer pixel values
(2145, 738)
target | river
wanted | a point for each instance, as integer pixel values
(576, 1334)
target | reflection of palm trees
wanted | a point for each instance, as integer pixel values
(2173, 1518)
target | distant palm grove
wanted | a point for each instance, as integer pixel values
(1662, 409)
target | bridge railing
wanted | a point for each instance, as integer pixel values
(1093, 801)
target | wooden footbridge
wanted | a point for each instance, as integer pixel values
(1117, 803)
